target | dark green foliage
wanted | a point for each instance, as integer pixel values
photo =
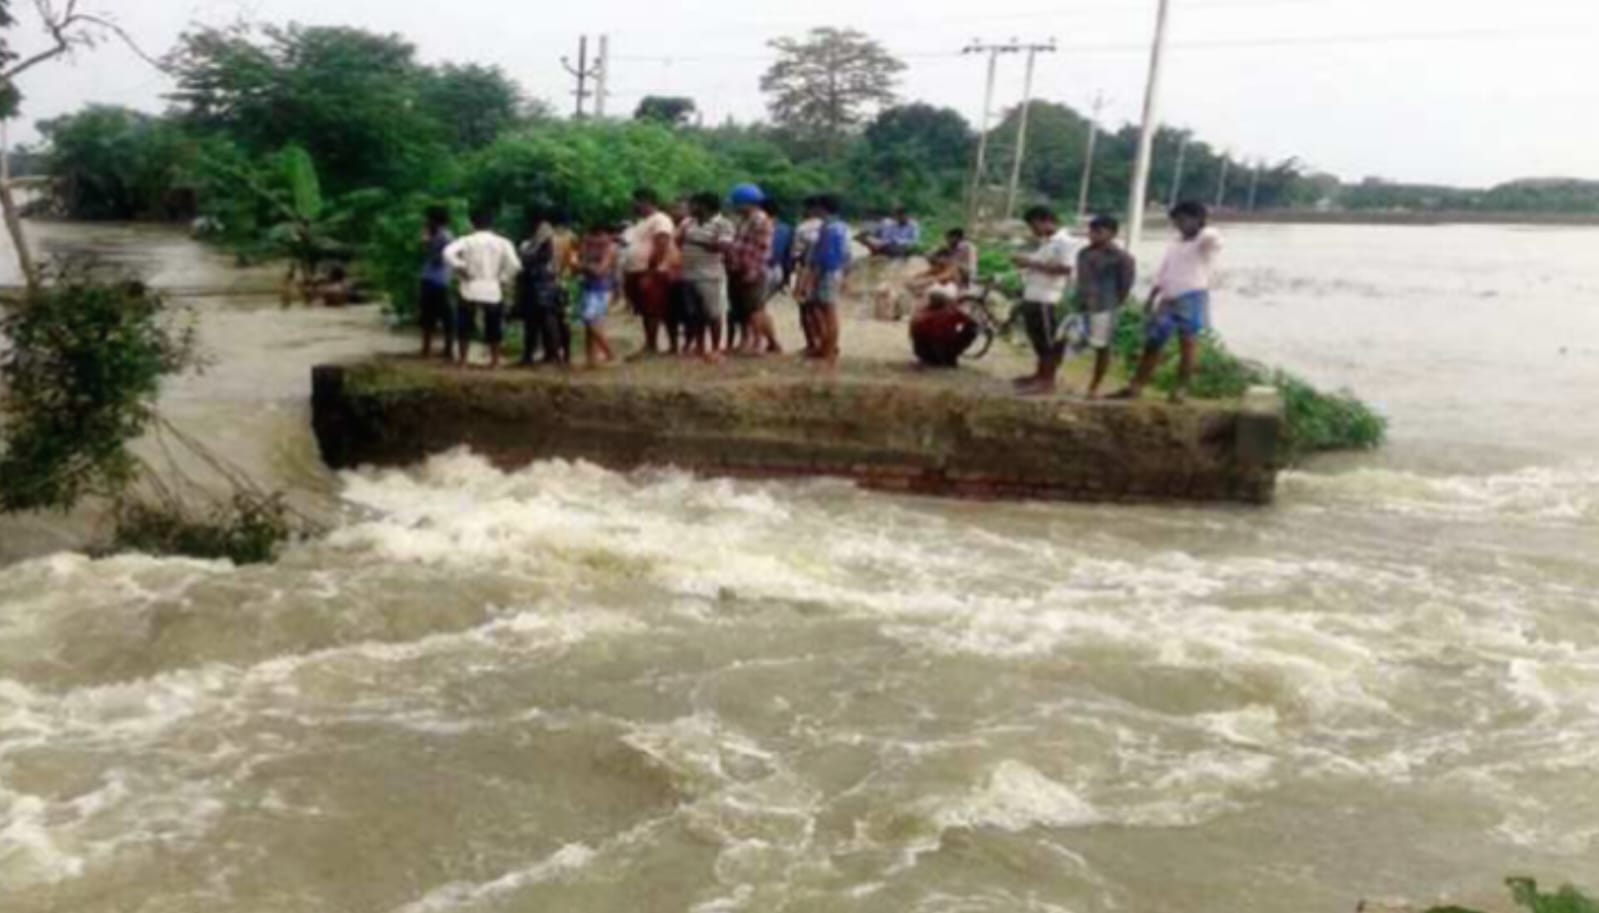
(357, 101)
(80, 378)
(249, 530)
(1566, 900)
(1527, 896)
(114, 163)
(1316, 421)
(475, 104)
(672, 110)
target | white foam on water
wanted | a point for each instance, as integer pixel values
(462, 895)
(1567, 494)
(1015, 797)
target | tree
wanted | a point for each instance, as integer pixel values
(68, 27)
(940, 138)
(672, 110)
(108, 162)
(826, 84)
(354, 99)
(474, 103)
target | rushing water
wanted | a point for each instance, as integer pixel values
(567, 689)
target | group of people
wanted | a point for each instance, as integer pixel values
(702, 279)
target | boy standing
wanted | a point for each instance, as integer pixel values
(596, 284)
(1105, 276)
(485, 262)
(705, 236)
(824, 277)
(1048, 272)
(1179, 304)
(435, 290)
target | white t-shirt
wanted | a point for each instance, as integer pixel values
(640, 240)
(485, 262)
(1189, 264)
(700, 263)
(1049, 288)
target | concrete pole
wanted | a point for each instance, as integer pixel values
(982, 142)
(1221, 183)
(581, 71)
(602, 77)
(1088, 157)
(1146, 138)
(1021, 136)
(1177, 179)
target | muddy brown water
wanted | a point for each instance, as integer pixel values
(568, 689)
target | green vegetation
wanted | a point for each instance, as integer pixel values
(79, 381)
(1527, 896)
(85, 361)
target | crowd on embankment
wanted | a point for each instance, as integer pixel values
(702, 275)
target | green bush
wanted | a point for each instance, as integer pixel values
(1527, 896)
(80, 379)
(1316, 421)
(247, 530)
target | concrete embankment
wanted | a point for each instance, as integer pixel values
(960, 434)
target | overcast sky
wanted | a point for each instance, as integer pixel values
(1456, 91)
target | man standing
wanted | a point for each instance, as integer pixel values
(1105, 276)
(486, 262)
(706, 235)
(435, 290)
(1048, 272)
(648, 282)
(824, 277)
(747, 259)
(1179, 304)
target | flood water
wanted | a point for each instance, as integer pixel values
(566, 689)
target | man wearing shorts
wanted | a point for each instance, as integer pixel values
(1048, 272)
(1179, 304)
(704, 239)
(827, 265)
(1105, 276)
(486, 262)
(648, 262)
(435, 288)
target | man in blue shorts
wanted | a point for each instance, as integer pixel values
(1179, 304)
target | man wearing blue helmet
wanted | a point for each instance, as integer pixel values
(747, 257)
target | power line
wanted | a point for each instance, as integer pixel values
(1553, 31)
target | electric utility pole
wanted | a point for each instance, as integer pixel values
(1221, 182)
(1146, 137)
(1033, 50)
(981, 167)
(1088, 156)
(602, 77)
(1177, 179)
(583, 73)
(1254, 184)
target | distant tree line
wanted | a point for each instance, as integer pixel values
(383, 134)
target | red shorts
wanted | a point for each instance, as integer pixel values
(649, 294)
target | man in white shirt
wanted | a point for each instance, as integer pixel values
(1048, 273)
(647, 279)
(1179, 304)
(484, 262)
